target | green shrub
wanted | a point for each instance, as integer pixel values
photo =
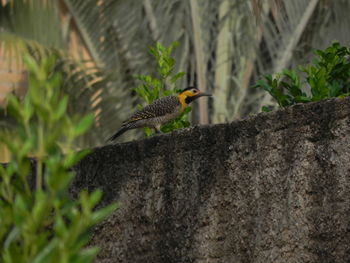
(164, 84)
(328, 76)
(44, 225)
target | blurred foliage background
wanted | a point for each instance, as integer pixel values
(224, 47)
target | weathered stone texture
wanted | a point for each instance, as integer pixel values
(271, 188)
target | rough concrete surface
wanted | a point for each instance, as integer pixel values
(274, 187)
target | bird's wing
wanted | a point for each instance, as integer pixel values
(158, 108)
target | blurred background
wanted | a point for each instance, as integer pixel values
(225, 46)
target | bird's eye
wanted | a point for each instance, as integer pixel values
(194, 91)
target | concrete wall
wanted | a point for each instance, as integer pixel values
(271, 188)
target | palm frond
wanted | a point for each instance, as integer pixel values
(82, 79)
(29, 19)
(235, 42)
(289, 32)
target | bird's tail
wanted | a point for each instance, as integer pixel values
(118, 133)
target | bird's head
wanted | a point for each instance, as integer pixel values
(190, 94)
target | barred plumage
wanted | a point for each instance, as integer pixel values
(160, 111)
(159, 108)
(154, 115)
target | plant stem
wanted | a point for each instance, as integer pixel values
(39, 163)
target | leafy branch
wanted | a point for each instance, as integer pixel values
(42, 223)
(164, 84)
(328, 76)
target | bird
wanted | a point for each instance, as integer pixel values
(160, 111)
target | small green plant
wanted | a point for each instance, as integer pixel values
(164, 84)
(44, 225)
(327, 77)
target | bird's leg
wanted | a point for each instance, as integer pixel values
(157, 129)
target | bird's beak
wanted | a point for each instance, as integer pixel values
(201, 94)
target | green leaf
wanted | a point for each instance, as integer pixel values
(102, 213)
(40, 205)
(84, 124)
(87, 255)
(74, 157)
(187, 110)
(60, 226)
(177, 76)
(62, 108)
(148, 131)
(11, 237)
(14, 108)
(262, 84)
(266, 108)
(95, 197)
(28, 109)
(302, 99)
(21, 212)
(42, 256)
(31, 64)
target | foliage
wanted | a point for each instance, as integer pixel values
(328, 76)
(153, 88)
(229, 31)
(45, 28)
(41, 223)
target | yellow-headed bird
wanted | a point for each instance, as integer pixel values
(160, 111)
